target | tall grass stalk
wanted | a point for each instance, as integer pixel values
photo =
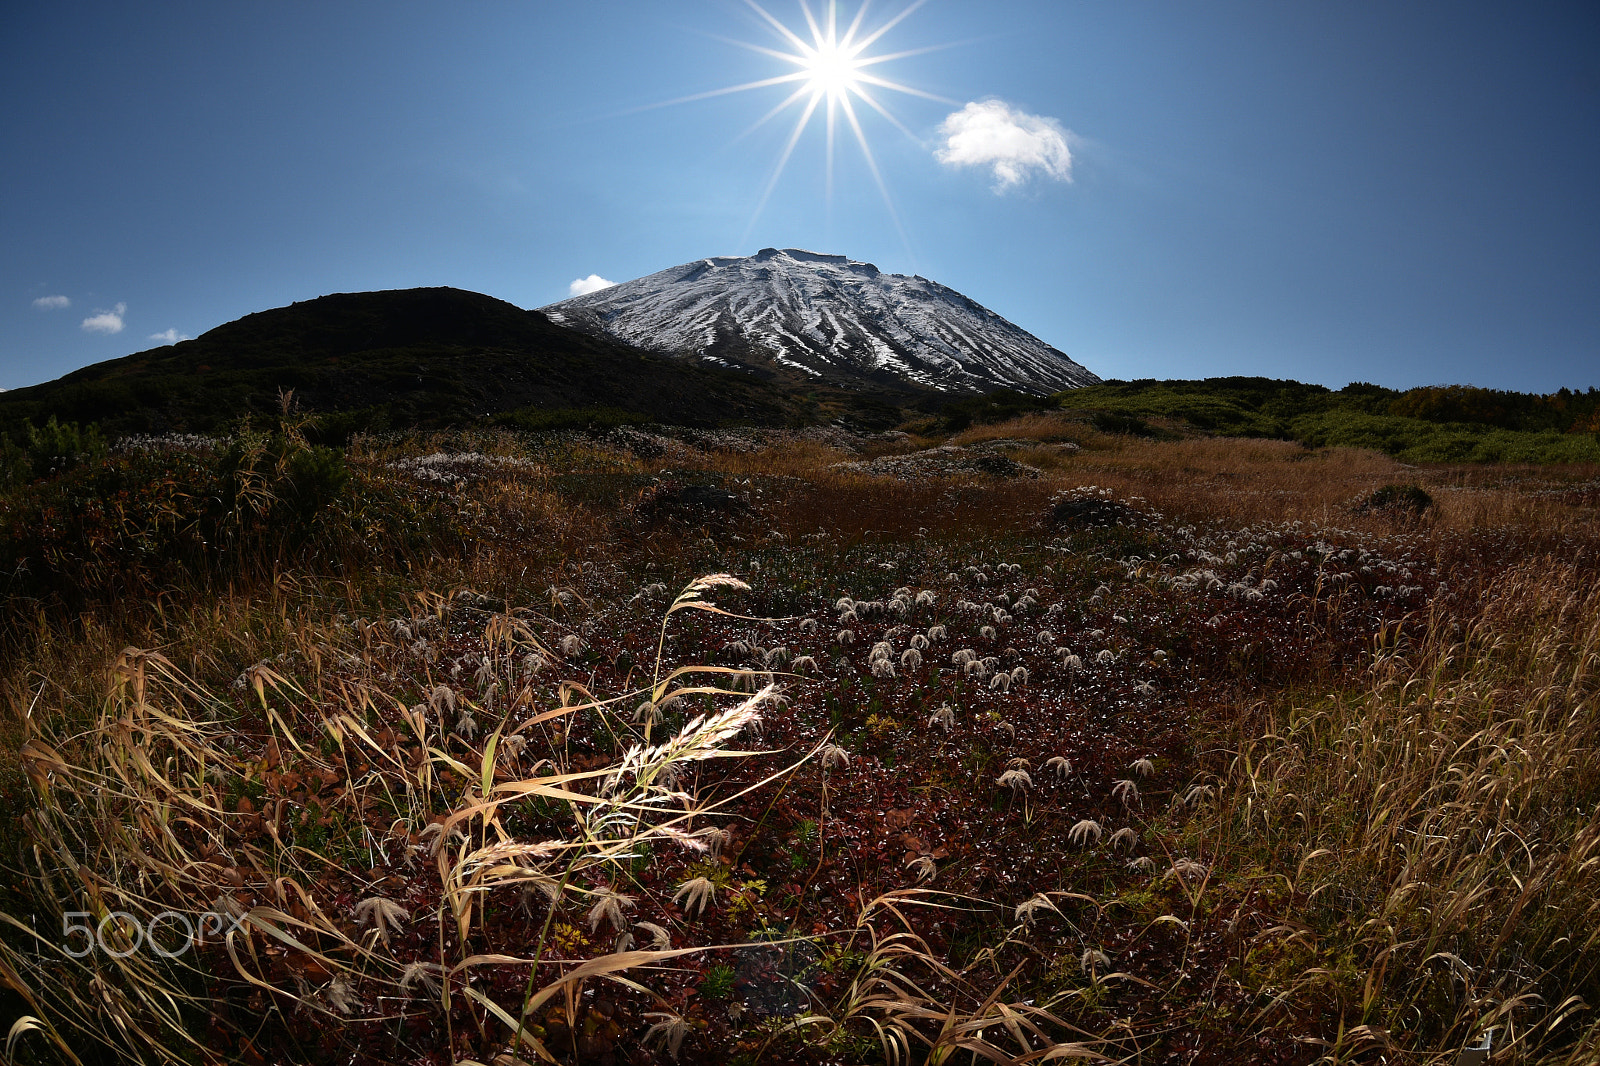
(1443, 834)
(146, 812)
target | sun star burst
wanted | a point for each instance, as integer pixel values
(830, 71)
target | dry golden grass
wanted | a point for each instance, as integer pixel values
(807, 459)
(1042, 426)
(1239, 481)
(146, 813)
(1436, 836)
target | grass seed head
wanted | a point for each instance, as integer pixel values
(696, 893)
(660, 939)
(1029, 910)
(608, 907)
(383, 914)
(833, 757)
(1016, 780)
(1087, 831)
(667, 1032)
(425, 974)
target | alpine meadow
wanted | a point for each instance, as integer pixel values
(1030, 728)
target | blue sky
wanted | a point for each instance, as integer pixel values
(1396, 192)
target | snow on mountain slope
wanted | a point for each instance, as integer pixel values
(827, 317)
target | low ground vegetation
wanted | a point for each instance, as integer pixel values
(1034, 743)
(1432, 424)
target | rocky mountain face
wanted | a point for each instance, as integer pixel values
(799, 316)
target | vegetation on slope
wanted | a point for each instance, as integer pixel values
(1446, 424)
(407, 359)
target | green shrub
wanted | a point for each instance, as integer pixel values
(48, 451)
(280, 477)
(1413, 440)
(1000, 406)
(1112, 422)
(132, 525)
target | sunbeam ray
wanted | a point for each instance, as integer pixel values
(783, 30)
(770, 115)
(872, 165)
(828, 160)
(871, 60)
(787, 57)
(783, 161)
(816, 31)
(781, 79)
(887, 26)
(866, 98)
(884, 83)
(855, 24)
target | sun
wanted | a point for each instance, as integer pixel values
(831, 70)
(830, 66)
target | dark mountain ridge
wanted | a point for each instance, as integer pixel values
(426, 357)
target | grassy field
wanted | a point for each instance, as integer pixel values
(1030, 744)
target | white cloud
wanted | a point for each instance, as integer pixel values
(52, 303)
(169, 336)
(106, 321)
(584, 286)
(1012, 143)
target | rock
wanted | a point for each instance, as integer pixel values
(1090, 513)
(690, 502)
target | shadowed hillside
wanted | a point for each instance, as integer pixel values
(410, 358)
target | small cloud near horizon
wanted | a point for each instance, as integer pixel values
(1013, 144)
(169, 336)
(52, 303)
(106, 321)
(584, 286)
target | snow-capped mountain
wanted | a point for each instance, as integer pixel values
(828, 318)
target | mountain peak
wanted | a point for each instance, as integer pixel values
(803, 315)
